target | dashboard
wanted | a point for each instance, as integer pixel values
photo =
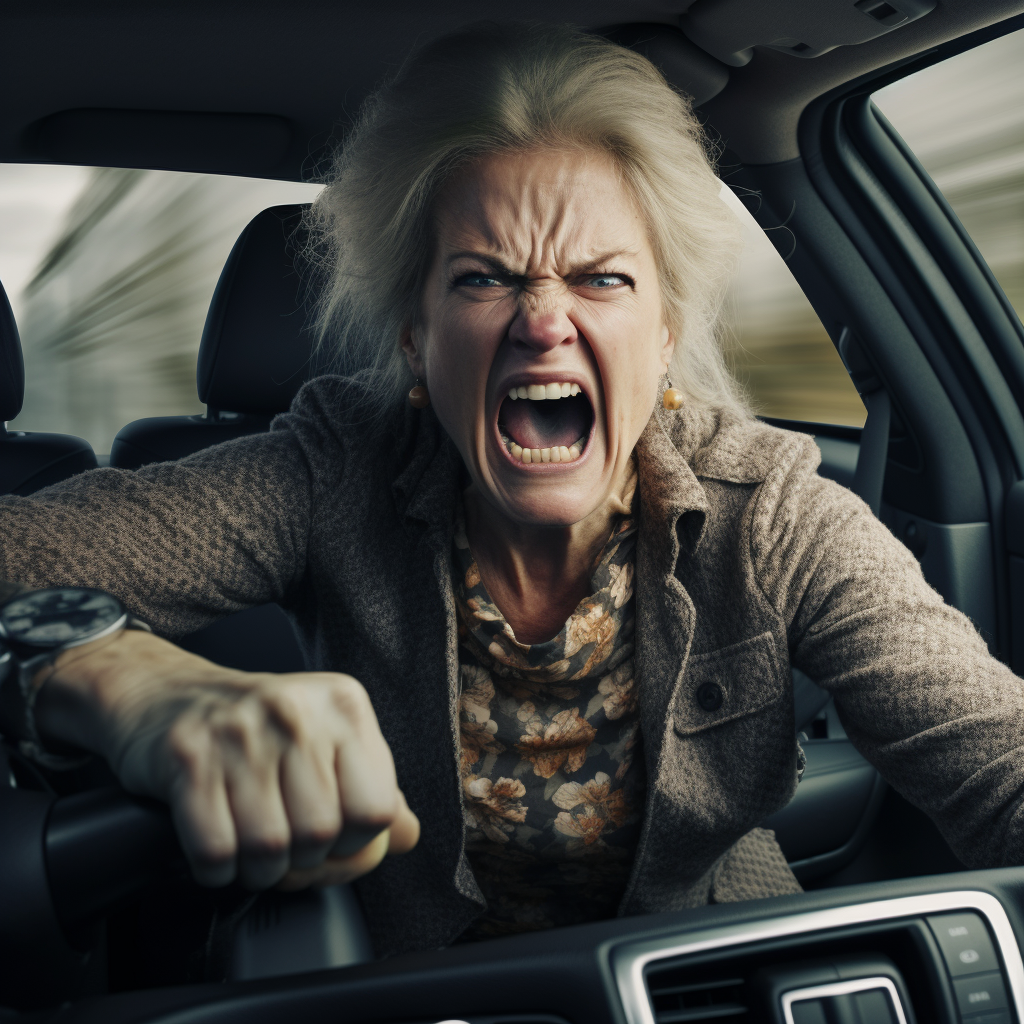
(941, 949)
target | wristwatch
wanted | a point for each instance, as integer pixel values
(35, 627)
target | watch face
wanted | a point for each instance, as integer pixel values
(57, 617)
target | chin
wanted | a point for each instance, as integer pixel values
(549, 502)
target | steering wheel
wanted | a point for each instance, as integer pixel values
(941, 949)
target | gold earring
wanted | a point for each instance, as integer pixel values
(673, 397)
(419, 397)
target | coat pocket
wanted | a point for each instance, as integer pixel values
(727, 684)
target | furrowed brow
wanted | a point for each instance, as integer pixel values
(580, 270)
(492, 262)
(594, 265)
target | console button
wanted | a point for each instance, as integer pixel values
(981, 993)
(965, 944)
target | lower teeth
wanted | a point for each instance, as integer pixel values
(559, 453)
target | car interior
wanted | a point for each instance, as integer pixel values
(98, 918)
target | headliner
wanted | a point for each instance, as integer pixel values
(305, 66)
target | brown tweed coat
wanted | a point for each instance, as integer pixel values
(747, 561)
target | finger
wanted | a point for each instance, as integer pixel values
(405, 829)
(365, 771)
(252, 758)
(309, 787)
(404, 833)
(199, 805)
(337, 870)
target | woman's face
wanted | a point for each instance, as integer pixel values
(543, 284)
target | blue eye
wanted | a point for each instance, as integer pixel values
(478, 281)
(607, 281)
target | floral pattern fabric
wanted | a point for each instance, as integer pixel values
(552, 773)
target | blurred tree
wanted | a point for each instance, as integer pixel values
(114, 314)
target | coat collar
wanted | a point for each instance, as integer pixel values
(672, 502)
(428, 466)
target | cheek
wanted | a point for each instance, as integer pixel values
(627, 343)
(457, 358)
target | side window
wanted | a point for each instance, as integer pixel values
(776, 344)
(964, 120)
(110, 273)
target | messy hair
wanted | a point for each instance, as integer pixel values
(495, 88)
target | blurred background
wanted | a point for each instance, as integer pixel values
(964, 118)
(110, 272)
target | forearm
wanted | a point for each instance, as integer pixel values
(180, 544)
(95, 696)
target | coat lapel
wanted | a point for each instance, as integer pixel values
(673, 508)
(426, 492)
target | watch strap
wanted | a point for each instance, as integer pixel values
(18, 694)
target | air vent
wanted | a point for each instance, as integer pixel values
(675, 1001)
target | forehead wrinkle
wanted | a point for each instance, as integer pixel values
(531, 224)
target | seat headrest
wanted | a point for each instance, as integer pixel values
(256, 351)
(12, 367)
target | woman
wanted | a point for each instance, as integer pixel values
(552, 599)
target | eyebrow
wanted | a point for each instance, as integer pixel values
(498, 267)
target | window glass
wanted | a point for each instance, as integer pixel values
(776, 344)
(110, 273)
(964, 119)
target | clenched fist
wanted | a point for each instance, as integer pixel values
(270, 778)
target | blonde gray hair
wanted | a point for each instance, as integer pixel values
(517, 87)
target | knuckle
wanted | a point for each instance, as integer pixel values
(240, 726)
(267, 845)
(316, 833)
(213, 852)
(188, 745)
(349, 697)
(290, 712)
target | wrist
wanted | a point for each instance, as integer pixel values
(95, 695)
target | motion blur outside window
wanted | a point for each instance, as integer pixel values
(964, 120)
(775, 343)
(110, 273)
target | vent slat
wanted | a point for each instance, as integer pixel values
(695, 1016)
(696, 1002)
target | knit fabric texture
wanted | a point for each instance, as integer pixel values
(746, 562)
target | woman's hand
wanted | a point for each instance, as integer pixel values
(270, 778)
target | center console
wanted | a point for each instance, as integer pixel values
(933, 950)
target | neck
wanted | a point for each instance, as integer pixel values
(537, 575)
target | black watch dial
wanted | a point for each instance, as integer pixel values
(59, 617)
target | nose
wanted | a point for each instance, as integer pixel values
(542, 327)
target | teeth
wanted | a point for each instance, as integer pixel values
(542, 392)
(556, 454)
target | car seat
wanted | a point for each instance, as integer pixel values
(29, 460)
(255, 354)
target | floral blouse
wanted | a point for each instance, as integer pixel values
(552, 773)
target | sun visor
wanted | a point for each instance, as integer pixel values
(730, 29)
(172, 140)
(684, 65)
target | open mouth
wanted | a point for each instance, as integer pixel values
(545, 422)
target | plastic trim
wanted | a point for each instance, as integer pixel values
(630, 961)
(843, 988)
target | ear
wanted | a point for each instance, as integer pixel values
(668, 345)
(410, 346)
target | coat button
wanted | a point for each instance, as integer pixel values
(709, 696)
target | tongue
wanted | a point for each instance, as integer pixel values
(544, 424)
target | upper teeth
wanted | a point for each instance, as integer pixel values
(539, 392)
